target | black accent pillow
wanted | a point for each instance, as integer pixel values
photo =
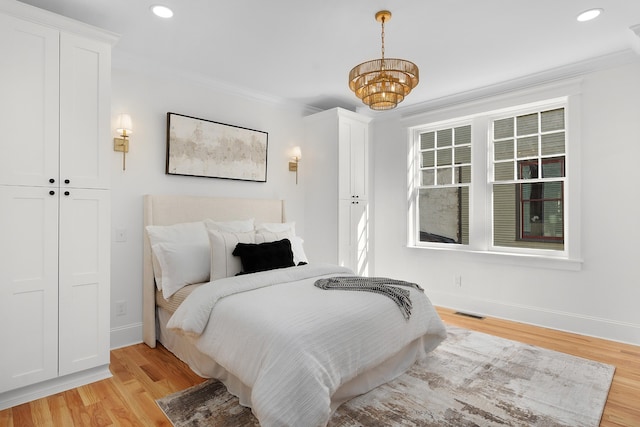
(264, 256)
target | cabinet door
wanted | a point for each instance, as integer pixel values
(29, 109)
(28, 286)
(84, 112)
(353, 159)
(84, 279)
(353, 235)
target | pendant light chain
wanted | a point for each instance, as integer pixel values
(382, 37)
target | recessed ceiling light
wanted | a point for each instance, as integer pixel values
(162, 11)
(590, 14)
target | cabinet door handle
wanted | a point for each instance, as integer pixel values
(66, 193)
(51, 180)
(66, 181)
(51, 193)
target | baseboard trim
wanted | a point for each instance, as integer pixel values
(598, 327)
(127, 335)
(32, 392)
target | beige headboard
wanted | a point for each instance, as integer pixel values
(169, 209)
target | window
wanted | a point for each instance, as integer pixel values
(528, 180)
(445, 175)
(495, 182)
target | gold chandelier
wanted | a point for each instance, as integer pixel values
(383, 83)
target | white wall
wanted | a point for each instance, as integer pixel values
(602, 298)
(147, 97)
(599, 300)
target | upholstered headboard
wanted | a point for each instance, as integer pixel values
(170, 209)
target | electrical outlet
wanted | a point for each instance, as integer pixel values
(121, 308)
(458, 280)
(121, 235)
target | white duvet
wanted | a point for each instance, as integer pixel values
(294, 344)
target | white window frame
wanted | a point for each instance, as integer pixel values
(480, 115)
(417, 178)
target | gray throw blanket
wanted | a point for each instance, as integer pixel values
(380, 285)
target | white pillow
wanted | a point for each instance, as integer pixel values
(186, 233)
(299, 256)
(240, 226)
(181, 265)
(277, 227)
(223, 263)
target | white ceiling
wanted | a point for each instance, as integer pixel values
(302, 51)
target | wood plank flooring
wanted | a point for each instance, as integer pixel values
(142, 374)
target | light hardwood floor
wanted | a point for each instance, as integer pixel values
(142, 374)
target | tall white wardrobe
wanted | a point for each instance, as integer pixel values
(336, 178)
(55, 83)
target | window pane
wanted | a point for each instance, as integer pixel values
(503, 171)
(552, 120)
(553, 143)
(444, 215)
(527, 147)
(445, 137)
(503, 128)
(553, 168)
(528, 169)
(427, 140)
(463, 135)
(552, 190)
(428, 159)
(543, 221)
(553, 223)
(428, 177)
(535, 224)
(527, 124)
(462, 155)
(504, 214)
(462, 175)
(445, 157)
(503, 150)
(444, 176)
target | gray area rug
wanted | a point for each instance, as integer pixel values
(471, 379)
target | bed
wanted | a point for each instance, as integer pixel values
(286, 348)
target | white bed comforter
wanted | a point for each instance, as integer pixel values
(294, 344)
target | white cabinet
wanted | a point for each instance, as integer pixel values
(353, 155)
(336, 179)
(83, 287)
(55, 107)
(55, 203)
(28, 286)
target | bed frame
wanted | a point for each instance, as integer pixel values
(173, 209)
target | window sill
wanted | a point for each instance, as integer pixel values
(521, 260)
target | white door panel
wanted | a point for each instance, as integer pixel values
(28, 286)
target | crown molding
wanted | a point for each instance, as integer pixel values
(126, 62)
(565, 72)
(50, 19)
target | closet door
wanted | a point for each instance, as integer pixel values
(29, 109)
(28, 285)
(353, 159)
(353, 238)
(84, 279)
(85, 108)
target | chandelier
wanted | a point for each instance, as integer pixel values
(383, 83)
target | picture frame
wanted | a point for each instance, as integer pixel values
(205, 148)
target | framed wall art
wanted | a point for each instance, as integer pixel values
(198, 147)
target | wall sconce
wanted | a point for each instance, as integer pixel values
(124, 128)
(296, 155)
